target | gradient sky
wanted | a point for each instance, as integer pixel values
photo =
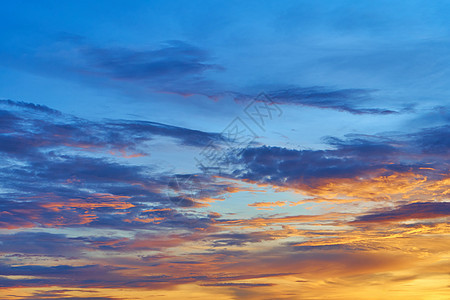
(224, 150)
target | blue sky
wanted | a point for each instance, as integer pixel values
(106, 105)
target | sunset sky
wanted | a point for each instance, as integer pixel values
(225, 150)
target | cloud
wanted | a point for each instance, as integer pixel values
(40, 243)
(171, 67)
(267, 205)
(434, 141)
(417, 210)
(239, 284)
(280, 165)
(30, 106)
(59, 275)
(346, 100)
(279, 219)
(237, 239)
(174, 59)
(357, 157)
(61, 170)
(59, 174)
(25, 134)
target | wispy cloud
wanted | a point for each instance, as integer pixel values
(346, 100)
(417, 210)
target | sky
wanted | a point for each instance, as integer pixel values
(224, 150)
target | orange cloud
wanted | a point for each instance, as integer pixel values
(267, 205)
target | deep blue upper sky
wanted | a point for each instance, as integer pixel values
(396, 50)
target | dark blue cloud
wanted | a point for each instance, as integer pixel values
(284, 166)
(172, 66)
(60, 275)
(354, 156)
(40, 243)
(174, 60)
(238, 239)
(417, 210)
(53, 296)
(346, 100)
(434, 141)
(186, 136)
(73, 191)
(25, 134)
(30, 106)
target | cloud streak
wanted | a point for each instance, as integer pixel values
(344, 100)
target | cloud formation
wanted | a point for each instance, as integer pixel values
(75, 177)
(345, 100)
